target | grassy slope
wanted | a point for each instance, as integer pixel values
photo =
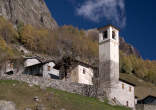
(22, 95)
(142, 88)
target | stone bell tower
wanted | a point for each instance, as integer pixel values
(108, 56)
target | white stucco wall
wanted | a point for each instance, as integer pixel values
(31, 62)
(9, 67)
(109, 48)
(109, 55)
(136, 100)
(87, 77)
(78, 76)
(52, 71)
(123, 94)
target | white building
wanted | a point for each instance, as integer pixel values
(81, 73)
(49, 71)
(36, 66)
(123, 92)
(9, 67)
(120, 92)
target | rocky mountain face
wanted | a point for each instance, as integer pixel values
(34, 12)
(127, 48)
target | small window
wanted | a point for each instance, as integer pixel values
(123, 86)
(84, 71)
(130, 89)
(113, 34)
(127, 103)
(105, 36)
(11, 65)
(49, 68)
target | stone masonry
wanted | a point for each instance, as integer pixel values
(145, 107)
(82, 89)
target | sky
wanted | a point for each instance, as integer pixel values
(135, 18)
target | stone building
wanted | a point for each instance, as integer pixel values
(123, 93)
(117, 91)
(38, 67)
(9, 67)
(81, 73)
(49, 71)
(148, 100)
(148, 103)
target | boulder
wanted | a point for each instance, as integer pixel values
(7, 105)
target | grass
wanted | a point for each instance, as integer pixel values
(142, 88)
(22, 95)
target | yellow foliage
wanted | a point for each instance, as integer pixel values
(7, 31)
(5, 51)
(144, 69)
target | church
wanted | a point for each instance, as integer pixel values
(117, 91)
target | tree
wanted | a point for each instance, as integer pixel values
(7, 31)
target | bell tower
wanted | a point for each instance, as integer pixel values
(108, 55)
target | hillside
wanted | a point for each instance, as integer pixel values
(24, 24)
(67, 41)
(50, 99)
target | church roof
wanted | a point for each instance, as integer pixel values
(127, 82)
(43, 60)
(79, 62)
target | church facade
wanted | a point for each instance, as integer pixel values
(117, 91)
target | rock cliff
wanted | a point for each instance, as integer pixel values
(127, 48)
(34, 12)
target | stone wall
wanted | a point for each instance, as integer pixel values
(71, 87)
(145, 107)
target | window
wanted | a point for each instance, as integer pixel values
(49, 68)
(127, 103)
(130, 89)
(84, 71)
(123, 86)
(105, 35)
(11, 65)
(113, 35)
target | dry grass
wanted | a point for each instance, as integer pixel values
(22, 95)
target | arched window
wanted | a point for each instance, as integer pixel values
(113, 34)
(105, 35)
